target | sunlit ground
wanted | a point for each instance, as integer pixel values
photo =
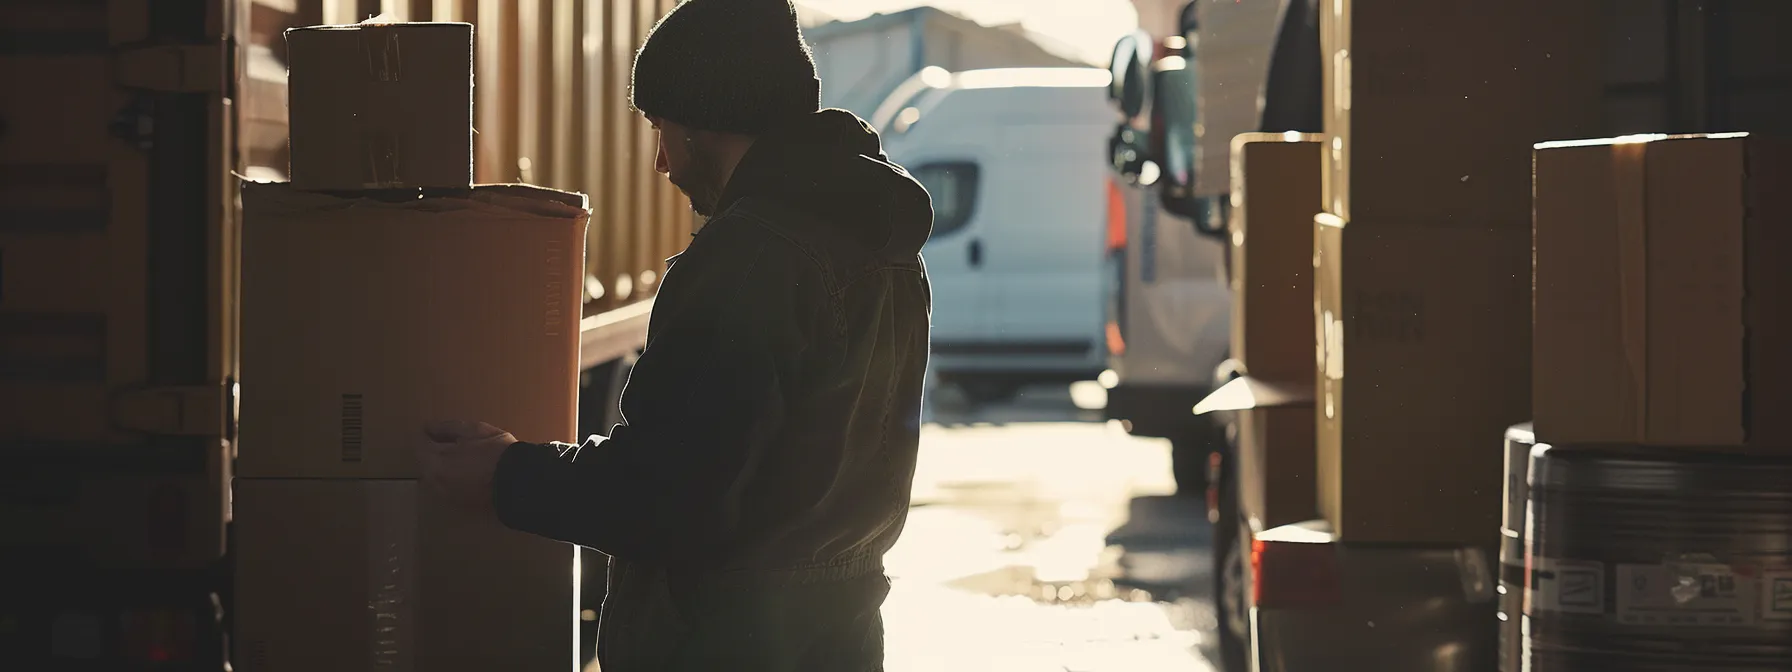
(1005, 563)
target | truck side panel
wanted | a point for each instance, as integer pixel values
(119, 155)
(116, 331)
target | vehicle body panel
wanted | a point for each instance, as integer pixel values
(1017, 276)
(1399, 609)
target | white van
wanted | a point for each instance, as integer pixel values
(1014, 160)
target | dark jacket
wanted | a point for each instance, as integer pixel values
(767, 449)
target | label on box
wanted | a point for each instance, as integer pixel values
(1518, 492)
(1776, 595)
(1511, 549)
(391, 578)
(1566, 586)
(1687, 594)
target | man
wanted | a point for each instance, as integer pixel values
(767, 449)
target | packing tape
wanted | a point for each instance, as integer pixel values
(380, 159)
(380, 49)
(382, 53)
(391, 575)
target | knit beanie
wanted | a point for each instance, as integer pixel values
(737, 66)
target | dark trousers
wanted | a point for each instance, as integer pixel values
(659, 621)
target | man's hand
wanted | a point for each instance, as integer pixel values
(457, 459)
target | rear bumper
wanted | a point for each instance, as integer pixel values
(1460, 639)
(1163, 411)
(1405, 609)
(1021, 363)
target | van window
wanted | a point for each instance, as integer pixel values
(953, 187)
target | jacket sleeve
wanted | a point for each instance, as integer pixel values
(700, 410)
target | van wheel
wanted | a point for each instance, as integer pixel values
(1188, 464)
(1230, 580)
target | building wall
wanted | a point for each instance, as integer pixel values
(861, 62)
(859, 67)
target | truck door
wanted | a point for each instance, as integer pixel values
(117, 336)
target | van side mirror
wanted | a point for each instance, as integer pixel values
(1130, 70)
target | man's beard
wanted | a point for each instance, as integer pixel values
(702, 185)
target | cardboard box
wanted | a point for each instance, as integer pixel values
(1432, 323)
(1432, 105)
(364, 319)
(1275, 443)
(1275, 193)
(1663, 295)
(381, 106)
(370, 574)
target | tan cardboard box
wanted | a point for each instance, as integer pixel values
(1276, 458)
(1432, 323)
(1275, 193)
(379, 106)
(369, 574)
(1432, 105)
(1663, 292)
(364, 319)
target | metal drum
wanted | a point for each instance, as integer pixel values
(1653, 560)
(1519, 441)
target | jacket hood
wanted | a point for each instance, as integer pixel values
(831, 165)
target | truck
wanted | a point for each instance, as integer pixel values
(124, 137)
(1181, 95)
(1210, 72)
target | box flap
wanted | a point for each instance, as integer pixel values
(1246, 393)
(483, 199)
(374, 23)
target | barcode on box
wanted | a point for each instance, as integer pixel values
(352, 414)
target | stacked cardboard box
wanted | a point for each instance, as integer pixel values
(402, 295)
(1423, 253)
(1663, 296)
(1275, 193)
(381, 106)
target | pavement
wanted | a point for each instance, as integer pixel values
(1044, 539)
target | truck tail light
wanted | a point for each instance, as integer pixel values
(1294, 575)
(158, 635)
(1116, 217)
